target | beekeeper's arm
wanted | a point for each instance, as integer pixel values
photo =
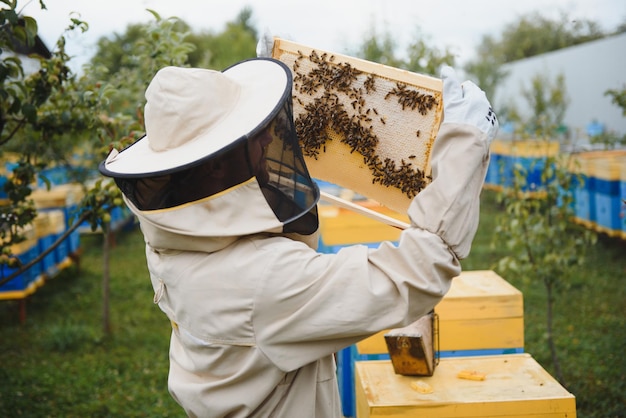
(344, 297)
(449, 206)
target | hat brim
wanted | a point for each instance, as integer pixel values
(265, 84)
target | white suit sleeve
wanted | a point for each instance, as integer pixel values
(449, 207)
(311, 305)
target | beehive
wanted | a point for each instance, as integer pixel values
(339, 226)
(27, 281)
(364, 126)
(512, 385)
(599, 197)
(528, 155)
(481, 312)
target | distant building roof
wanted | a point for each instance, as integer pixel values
(38, 48)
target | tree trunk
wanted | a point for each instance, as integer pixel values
(106, 253)
(551, 344)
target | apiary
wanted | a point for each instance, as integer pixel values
(481, 314)
(510, 385)
(362, 125)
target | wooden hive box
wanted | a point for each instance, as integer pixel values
(481, 314)
(341, 226)
(60, 196)
(513, 385)
(25, 282)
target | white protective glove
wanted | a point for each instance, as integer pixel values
(450, 206)
(265, 45)
(466, 103)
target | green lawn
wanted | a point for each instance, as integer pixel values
(59, 364)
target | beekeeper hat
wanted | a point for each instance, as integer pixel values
(192, 114)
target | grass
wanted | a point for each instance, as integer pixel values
(59, 363)
(589, 322)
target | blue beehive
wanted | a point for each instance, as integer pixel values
(603, 192)
(25, 251)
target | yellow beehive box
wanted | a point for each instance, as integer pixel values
(60, 196)
(339, 226)
(41, 225)
(57, 221)
(525, 148)
(606, 165)
(481, 311)
(511, 385)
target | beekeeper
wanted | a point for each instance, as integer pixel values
(228, 211)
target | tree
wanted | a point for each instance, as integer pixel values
(536, 227)
(486, 68)
(530, 35)
(548, 103)
(611, 139)
(39, 114)
(421, 57)
(223, 49)
(46, 115)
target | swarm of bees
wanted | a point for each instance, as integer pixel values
(327, 82)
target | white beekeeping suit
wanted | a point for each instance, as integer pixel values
(256, 311)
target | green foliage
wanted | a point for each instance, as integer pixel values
(618, 97)
(548, 102)
(33, 122)
(530, 35)
(49, 116)
(542, 242)
(537, 230)
(421, 57)
(220, 50)
(589, 315)
(534, 34)
(380, 48)
(122, 69)
(611, 139)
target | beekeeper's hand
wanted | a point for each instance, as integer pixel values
(265, 45)
(466, 103)
(449, 206)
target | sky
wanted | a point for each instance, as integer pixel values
(333, 25)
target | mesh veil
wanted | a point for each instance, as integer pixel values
(289, 189)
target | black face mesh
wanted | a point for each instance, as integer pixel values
(187, 185)
(281, 173)
(291, 192)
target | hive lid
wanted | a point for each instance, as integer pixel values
(362, 125)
